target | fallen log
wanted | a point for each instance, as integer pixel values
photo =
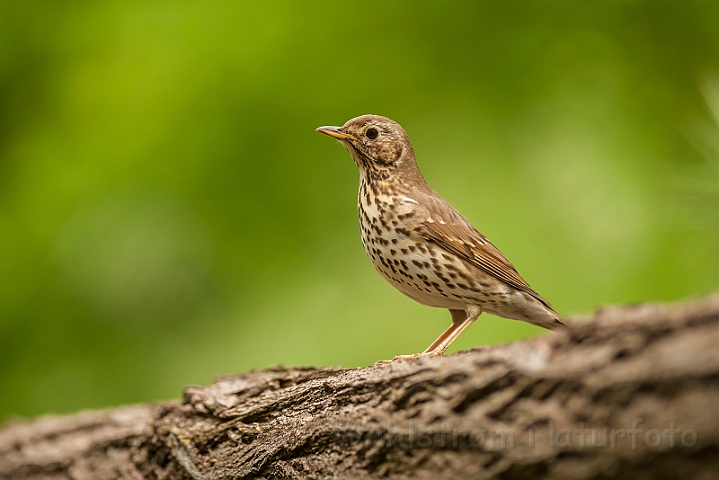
(631, 392)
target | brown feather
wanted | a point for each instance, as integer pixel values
(445, 226)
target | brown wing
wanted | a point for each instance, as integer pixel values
(446, 227)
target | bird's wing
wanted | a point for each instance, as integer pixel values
(445, 226)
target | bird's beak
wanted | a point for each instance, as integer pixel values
(335, 132)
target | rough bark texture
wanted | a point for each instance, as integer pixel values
(632, 392)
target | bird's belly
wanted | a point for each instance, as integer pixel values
(431, 298)
(415, 269)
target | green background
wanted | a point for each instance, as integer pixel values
(168, 213)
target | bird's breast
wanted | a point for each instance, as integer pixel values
(388, 224)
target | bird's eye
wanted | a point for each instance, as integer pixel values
(372, 133)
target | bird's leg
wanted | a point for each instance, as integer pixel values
(458, 317)
(461, 319)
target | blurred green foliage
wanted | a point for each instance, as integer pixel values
(168, 213)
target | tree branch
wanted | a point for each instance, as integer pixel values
(632, 392)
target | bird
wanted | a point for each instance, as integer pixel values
(422, 245)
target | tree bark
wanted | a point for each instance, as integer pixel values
(632, 392)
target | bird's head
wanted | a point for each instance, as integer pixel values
(377, 144)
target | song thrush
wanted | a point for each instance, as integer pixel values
(424, 247)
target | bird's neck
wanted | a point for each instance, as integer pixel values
(374, 176)
(375, 183)
(405, 173)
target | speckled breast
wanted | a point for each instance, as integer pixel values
(419, 269)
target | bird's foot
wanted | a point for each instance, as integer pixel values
(403, 358)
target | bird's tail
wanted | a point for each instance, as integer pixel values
(548, 319)
(557, 324)
(552, 320)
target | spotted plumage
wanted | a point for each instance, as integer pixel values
(424, 247)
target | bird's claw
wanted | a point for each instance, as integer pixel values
(403, 358)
